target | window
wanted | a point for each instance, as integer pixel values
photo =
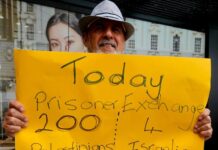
(154, 40)
(29, 8)
(2, 21)
(30, 32)
(1, 10)
(176, 43)
(197, 45)
(131, 44)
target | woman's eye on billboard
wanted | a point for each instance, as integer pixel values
(63, 33)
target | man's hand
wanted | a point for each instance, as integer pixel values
(14, 119)
(203, 126)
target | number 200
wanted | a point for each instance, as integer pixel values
(81, 123)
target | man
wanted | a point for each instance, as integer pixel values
(104, 31)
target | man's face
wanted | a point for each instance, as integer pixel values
(105, 36)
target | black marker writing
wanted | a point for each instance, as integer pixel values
(74, 67)
(159, 85)
(151, 130)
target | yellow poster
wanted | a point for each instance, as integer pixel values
(82, 101)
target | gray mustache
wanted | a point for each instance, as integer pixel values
(105, 41)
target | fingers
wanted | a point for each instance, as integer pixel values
(204, 114)
(203, 126)
(206, 134)
(14, 119)
(17, 105)
(11, 130)
(13, 114)
(203, 121)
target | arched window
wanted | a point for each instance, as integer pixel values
(30, 31)
(176, 43)
(154, 42)
(197, 45)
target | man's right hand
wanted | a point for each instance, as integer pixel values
(14, 119)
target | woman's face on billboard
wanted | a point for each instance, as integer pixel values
(64, 38)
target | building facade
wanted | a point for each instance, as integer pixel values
(156, 39)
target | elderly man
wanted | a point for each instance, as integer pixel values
(104, 31)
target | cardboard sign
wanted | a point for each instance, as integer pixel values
(82, 101)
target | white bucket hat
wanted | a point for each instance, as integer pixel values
(106, 10)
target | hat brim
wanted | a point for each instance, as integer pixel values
(88, 20)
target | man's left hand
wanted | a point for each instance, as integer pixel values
(203, 126)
